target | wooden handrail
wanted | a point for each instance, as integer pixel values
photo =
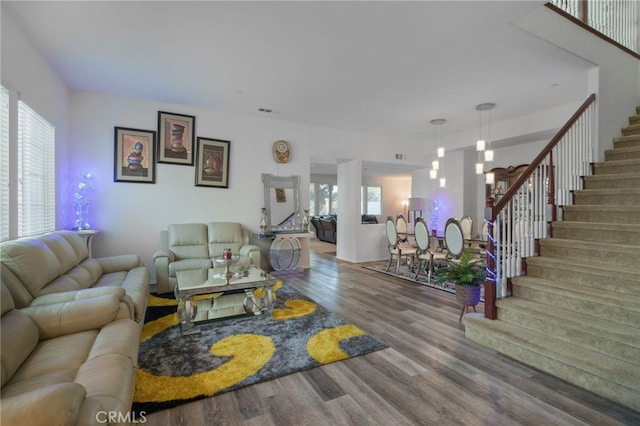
(583, 24)
(492, 210)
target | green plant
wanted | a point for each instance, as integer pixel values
(464, 271)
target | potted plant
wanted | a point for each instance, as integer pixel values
(467, 274)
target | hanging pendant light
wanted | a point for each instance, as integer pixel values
(483, 144)
(439, 151)
(490, 178)
(443, 182)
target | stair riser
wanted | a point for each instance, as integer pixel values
(552, 327)
(601, 216)
(613, 168)
(631, 199)
(624, 236)
(634, 119)
(613, 155)
(599, 255)
(631, 130)
(628, 142)
(558, 368)
(619, 283)
(576, 304)
(596, 182)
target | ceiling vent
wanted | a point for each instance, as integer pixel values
(265, 110)
(399, 156)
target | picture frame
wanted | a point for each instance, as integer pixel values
(212, 163)
(134, 155)
(176, 138)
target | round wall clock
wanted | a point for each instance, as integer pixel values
(281, 151)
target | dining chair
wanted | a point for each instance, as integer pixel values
(401, 227)
(396, 247)
(466, 224)
(425, 256)
(453, 238)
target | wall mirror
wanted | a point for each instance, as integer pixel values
(281, 202)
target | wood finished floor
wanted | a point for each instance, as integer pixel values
(429, 375)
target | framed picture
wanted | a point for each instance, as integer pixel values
(134, 155)
(176, 137)
(281, 197)
(212, 163)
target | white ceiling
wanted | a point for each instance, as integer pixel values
(382, 67)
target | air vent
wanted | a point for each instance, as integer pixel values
(265, 110)
(399, 156)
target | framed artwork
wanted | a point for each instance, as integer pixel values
(212, 163)
(134, 155)
(281, 197)
(176, 137)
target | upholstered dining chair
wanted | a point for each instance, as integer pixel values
(396, 247)
(466, 224)
(401, 227)
(453, 238)
(425, 256)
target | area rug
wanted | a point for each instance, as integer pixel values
(229, 354)
(407, 274)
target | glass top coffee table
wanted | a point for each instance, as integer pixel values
(206, 295)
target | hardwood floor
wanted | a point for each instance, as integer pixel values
(430, 374)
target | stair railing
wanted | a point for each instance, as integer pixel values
(523, 215)
(612, 20)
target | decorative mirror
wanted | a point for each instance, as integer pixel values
(281, 202)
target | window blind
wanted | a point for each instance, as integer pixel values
(4, 164)
(36, 173)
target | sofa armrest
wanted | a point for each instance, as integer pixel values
(118, 263)
(164, 254)
(63, 318)
(251, 251)
(58, 403)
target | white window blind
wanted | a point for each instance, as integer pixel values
(4, 164)
(36, 173)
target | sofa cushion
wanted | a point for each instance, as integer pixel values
(63, 251)
(225, 235)
(62, 353)
(19, 339)
(32, 262)
(188, 240)
(57, 404)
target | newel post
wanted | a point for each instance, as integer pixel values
(490, 280)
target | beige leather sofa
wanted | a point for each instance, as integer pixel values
(67, 363)
(194, 246)
(53, 267)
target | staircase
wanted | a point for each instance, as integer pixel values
(576, 314)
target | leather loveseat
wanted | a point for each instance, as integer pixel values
(68, 363)
(326, 227)
(54, 267)
(190, 246)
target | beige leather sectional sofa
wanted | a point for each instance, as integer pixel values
(189, 246)
(70, 332)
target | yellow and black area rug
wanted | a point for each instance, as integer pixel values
(237, 352)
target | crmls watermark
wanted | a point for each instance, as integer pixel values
(118, 417)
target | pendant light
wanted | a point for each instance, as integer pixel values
(437, 148)
(483, 145)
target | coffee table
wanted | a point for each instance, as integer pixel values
(206, 295)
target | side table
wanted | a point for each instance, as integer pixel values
(87, 235)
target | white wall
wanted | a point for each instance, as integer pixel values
(615, 78)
